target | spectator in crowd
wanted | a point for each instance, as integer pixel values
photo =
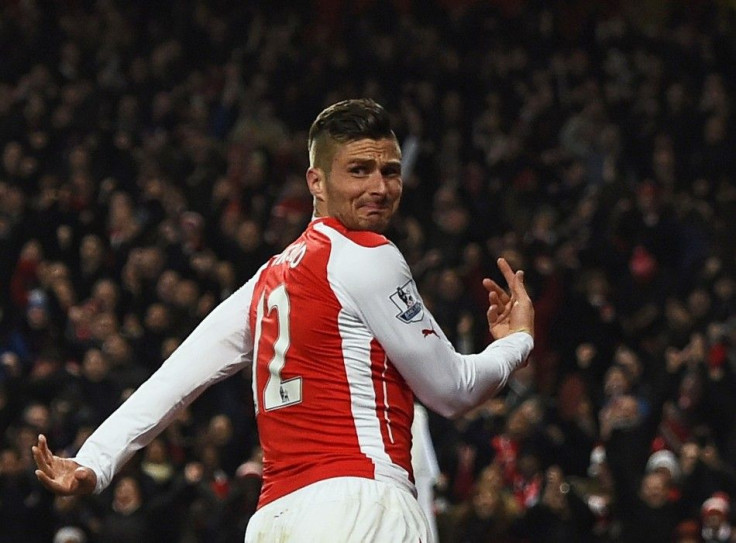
(716, 519)
(560, 514)
(24, 505)
(70, 534)
(127, 520)
(488, 513)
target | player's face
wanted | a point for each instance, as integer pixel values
(363, 188)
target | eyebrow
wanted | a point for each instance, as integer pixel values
(393, 166)
(372, 161)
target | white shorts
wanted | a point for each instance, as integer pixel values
(341, 510)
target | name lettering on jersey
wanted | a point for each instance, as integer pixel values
(292, 255)
(407, 301)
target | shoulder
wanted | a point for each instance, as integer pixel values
(363, 259)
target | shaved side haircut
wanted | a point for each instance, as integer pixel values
(345, 121)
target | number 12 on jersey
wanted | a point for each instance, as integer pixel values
(277, 393)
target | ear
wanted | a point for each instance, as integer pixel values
(316, 183)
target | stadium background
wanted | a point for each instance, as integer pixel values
(153, 156)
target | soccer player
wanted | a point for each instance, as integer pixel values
(340, 342)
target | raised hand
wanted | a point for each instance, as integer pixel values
(510, 311)
(62, 476)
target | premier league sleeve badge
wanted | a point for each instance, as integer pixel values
(406, 299)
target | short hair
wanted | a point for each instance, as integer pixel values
(345, 121)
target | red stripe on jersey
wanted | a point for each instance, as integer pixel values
(392, 397)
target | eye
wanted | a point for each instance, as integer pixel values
(358, 170)
(391, 171)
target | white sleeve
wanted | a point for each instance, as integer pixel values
(220, 346)
(379, 288)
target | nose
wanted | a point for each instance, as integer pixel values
(378, 183)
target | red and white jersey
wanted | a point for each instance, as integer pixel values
(329, 400)
(341, 342)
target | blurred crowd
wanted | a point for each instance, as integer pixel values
(153, 156)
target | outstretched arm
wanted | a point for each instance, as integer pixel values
(220, 346)
(62, 476)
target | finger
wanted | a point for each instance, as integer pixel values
(506, 271)
(492, 286)
(51, 484)
(44, 479)
(492, 314)
(44, 466)
(497, 315)
(42, 454)
(498, 298)
(43, 445)
(503, 296)
(46, 453)
(518, 288)
(489, 284)
(40, 458)
(505, 311)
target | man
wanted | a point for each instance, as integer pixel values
(341, 342)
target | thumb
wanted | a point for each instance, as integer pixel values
(519, 287)
(86, 478)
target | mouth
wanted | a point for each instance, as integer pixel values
(376, 208)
